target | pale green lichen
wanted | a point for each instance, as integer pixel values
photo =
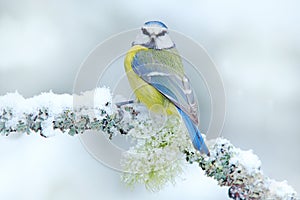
(155, 160)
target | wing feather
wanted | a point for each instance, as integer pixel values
(163, 70)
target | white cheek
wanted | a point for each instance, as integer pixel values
(164, 42)
(142, 39)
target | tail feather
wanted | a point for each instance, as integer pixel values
(194, 132)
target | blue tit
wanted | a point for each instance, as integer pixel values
(155, 72)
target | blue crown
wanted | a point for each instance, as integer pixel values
(158, 23)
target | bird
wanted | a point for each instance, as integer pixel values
(156, 75)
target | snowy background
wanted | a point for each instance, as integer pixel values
(256, 47)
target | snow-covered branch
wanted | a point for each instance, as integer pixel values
(159, 151)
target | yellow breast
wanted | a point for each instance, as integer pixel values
(144, 92)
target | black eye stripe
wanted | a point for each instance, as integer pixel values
(162, 33)
(145, 31)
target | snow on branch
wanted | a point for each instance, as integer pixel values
(160, 149)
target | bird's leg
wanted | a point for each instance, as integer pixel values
(120, 111)
(119, 104)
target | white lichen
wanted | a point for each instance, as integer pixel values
(157, 159)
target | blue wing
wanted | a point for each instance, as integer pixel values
(174, 85)
(168, 78)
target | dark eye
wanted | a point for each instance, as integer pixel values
(145, 32)
(162, 33)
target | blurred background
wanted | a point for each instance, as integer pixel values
(255, 46)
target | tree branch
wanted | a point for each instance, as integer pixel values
(50, 113)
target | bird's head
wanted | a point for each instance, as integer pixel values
(154, 35)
